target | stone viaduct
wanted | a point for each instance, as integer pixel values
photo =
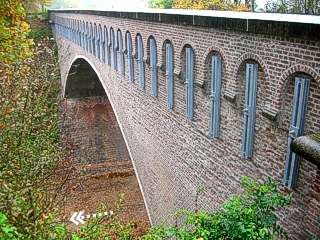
(203, 98)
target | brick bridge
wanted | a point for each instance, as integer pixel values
(203, 98)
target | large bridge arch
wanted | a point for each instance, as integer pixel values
(83, 80)
(94, 126)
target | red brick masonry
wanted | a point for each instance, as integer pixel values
(172, 156)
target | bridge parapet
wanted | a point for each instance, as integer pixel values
(203, 100)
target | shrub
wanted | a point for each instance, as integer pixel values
(249, 216)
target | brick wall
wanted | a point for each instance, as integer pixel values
(93, 134)
(172, 156)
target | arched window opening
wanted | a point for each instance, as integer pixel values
(78, 32)
(100, 43)
(113, 49)
(153, 67)
(298, 90)
(140, 62)
(91, 39)
(82, 37)
(249, 110)
(168, 61)
(106, 47)
(189, 81)
(120, 50)
(130, 57)
(95, 41)
(214, 69)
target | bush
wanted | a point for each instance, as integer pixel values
(249, 216)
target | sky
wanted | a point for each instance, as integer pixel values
(134, 4)
(122, 4)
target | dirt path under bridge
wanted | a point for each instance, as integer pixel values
(95, 143)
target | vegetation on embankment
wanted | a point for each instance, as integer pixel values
(35, 176)
(31, 161)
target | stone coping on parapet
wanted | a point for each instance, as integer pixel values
(284, 25)
(308, 147)
(278, 17)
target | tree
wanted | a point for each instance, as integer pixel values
(59, 4)
(160, 4)
(33, 6)
(224, 5)
(14, 44)
(293, 6)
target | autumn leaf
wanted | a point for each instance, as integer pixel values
(16, 97)
(7, 112)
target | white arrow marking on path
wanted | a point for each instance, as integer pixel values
(79, 217)
(72, 218)
(76, 217)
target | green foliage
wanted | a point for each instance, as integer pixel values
(106, 227)
(35, 177)
(198, 4)
(223, 5)
(249, 216)
(30, 159)
(96, 227)
(292, 6)
(278, 6)
(54, 53)
(6, 231)
(37, 33)
(14, 44)
(34, 6)
(159, 3)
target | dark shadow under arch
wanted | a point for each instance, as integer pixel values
(82, 81)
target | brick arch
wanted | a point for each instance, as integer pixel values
(284, 79)
(86, 82)
(299, 68)
(257, 58)
(163, 39)
(100, 30)
(206, 54)
(135, 42)
(147, 47)
(107, 24)
(182, 46)
(161, 52)
(214, 49)
(86, 28)
(127, 29)
(90, 26)
(125, 37)
(132, 33)
(105, 27)
(116, 36)
(253, 56)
